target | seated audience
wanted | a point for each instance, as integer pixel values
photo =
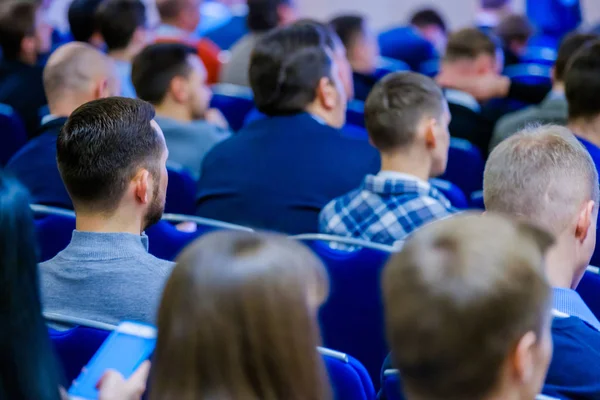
(514, 31)
(554, 108)
(122, 24)
(227, 34)
(467, 309)
(362, 51)
(547, 177)
(263, 15)
(470, 53)
(582, 83)
(179, 21)
(430, 24)
(407, 118)
(83, 22)
(75, 74)
(279, 172)
(171, 77)
(491, 13)
(238, 321)
(29, 369)
(23, 38)
(112, 158)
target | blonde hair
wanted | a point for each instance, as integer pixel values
(542, 174)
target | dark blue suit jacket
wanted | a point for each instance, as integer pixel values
(278, 173)
(35, 167)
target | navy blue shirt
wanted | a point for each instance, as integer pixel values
(278, 173)
(35, 167)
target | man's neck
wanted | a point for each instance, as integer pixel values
(451, 72)
(102, 224)
(127, 54)
(322, 115)
(589, 129)
(407, 163)
(174, 111)
(558, 88)
(560, 267)
(361, 68)
(178, 25)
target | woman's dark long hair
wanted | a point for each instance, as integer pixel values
(28, 368)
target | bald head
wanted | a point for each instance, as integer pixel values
(542, 174)
(77, 72)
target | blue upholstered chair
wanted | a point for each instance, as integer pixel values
(589, 290)
(12, 133)
(452, 193)
(388, 65)
(465, 166)
(76, 345)
(539, 55)
(352, 317)
(476, 200)
(355, 113)
(181, 191)
(235, 102)
(349, 378)
(392, 385)
(54, 228)
(530, 74)
(430, 68)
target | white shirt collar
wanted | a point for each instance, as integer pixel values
(400, 176)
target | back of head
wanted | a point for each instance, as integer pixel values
(460, 298)
(82, 19)
(118, 21)
(582, 83)
(238, 321)
(155, 67)
(396, 107)
(72, 71)
(348, 28)
(568, 48)
(543, 175)
(427, 17)
(514, 28)
(100, 148)
(286, 68)
(27, 366)
(17, 21)
(468, 44)
(264, 15)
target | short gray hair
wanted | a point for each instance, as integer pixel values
(542, 174)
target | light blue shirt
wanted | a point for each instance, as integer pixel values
(124, 73)
(569, 302)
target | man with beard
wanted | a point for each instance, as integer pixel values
(112, 158)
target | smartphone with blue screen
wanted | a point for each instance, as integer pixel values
(123, 351)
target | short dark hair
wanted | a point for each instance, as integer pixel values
(17, 21)
(582, 82)
(397, 104)
(118, 20)
(458, 298)
(101, 145)
(568, 48)
(348, 27)
(263, 15)
(469, 43)
(428, 16)
(82, 19)
(514, 27)
(286, 67)
(155, 67)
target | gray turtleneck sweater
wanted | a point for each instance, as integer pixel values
(104, 277)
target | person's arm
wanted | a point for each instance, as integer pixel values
(533, 94)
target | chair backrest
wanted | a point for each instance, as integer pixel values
(465, 166)
(476, 200)
(589, 289)
(12, 133)
(530, 74)
(54, 228)
(539, 55)
(181, 191)
(452, 193)
(352, 317)
(387, 65)
(235, 102)
(355, 113)
(392, 385)
(430, 68)
(76, 345)
(349, 378)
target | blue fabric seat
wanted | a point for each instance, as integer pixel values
(430, 68)
(406, 44)
(530, 74)
(352, 318)
(181, 191)
(465, 166)
(12, 133)
(54, 228)
(349, 378)
(589, 290)
(476, 200)
(355, 113)
(387, 65)
(452, 193)
(235, 102)
(539, 55)
(392, 385)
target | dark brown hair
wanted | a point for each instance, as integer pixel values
(458, 298)
(396, 106)
(17, 21)
(469, 43)
(235, 322)
(513, 28)
(568, 48)
(582, 82)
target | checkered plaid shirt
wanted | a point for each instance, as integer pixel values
(385, 209)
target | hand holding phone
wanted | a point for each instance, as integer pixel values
(113, 386)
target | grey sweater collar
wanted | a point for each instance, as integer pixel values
(105, 246)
